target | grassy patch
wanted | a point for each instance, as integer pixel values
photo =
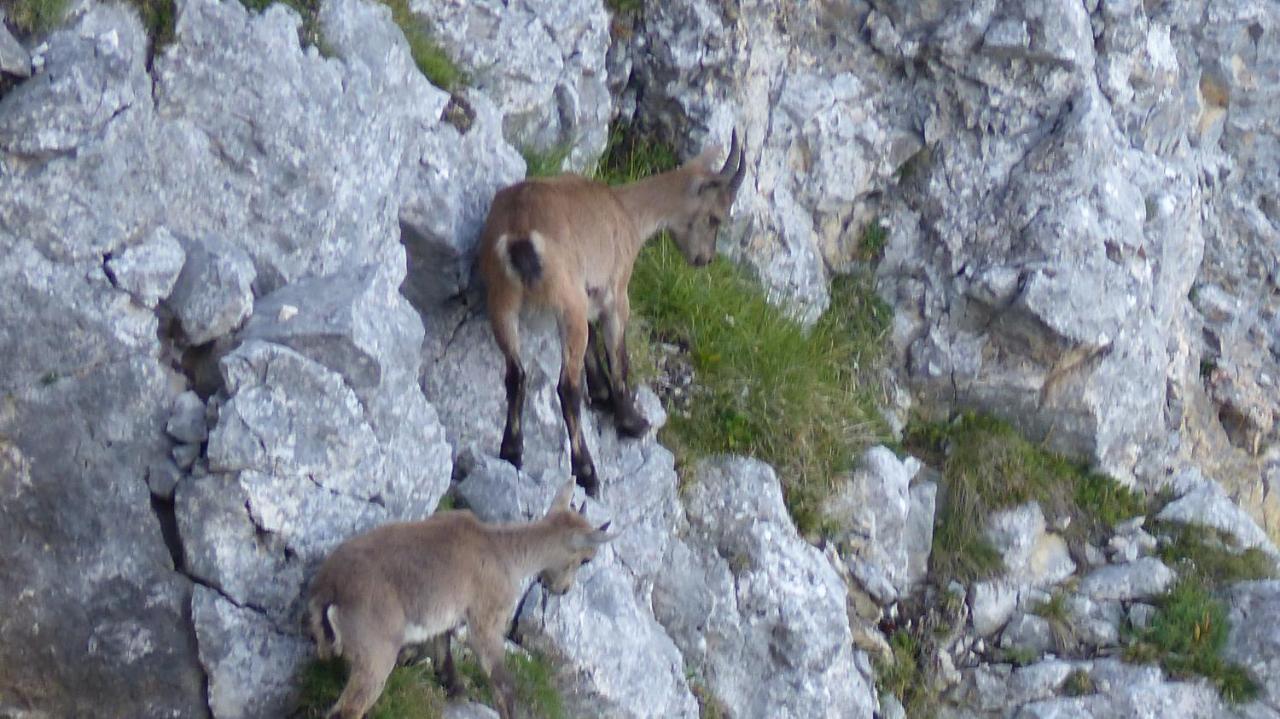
(415, 693)
(545, 163)
(1054, 611)
(158, 18)
(987, 466)
(410, 692)
(903, 676)
(1078, 684)
(35, 16)
(801, 399)
(871, 243)
(1208, 555)
(427, 53)
(624, 7)
(1186, 637)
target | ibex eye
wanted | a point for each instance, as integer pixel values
(715, 222)
(583, 563)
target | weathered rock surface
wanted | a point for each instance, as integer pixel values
(542, 62)
(872, 509)
(771, 638)
(1254, 640)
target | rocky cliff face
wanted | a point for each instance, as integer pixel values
(238, 330)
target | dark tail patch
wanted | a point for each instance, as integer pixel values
(524, 258)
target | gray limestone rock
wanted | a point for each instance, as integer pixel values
(1254, 639)
(1031, 555)
(541, 62)
(871, 508)
(213, 294)
(919, 532)
(771, 636)
(14, 58)
(1207, 505)
(1028, 633)
(1142, 579)
(149, 270)
(187, 420)
(991, 603)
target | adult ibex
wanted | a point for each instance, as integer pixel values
(569, 243)
(406, 583)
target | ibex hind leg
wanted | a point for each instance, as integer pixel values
(504, 318)
(370, 667)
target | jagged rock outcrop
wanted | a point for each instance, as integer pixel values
(541, 62)
(812, 104)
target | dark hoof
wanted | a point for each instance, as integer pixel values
(589, 482)
(512, 452)
(631, 424)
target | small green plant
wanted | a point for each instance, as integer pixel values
(987, 466)
(1207, 366)
(410, 692)
(901, 675)
(1019, 656)
(871, 244)
(1078, 683)
(624, 7)
(1210, 556)
(430, 57)
(1186, 637)
(158, 17)
(710, 706)
(534, 678)
(545, 163)
(36, 16)
(1054, 611)
(308, 10)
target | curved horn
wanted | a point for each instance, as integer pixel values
(736, 181)
(730, 161)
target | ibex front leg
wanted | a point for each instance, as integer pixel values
(626, 417)
(573, 338)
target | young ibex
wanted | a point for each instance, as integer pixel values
(569, 243)
(406, 583)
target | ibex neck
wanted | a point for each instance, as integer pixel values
(527, 547)
(653, 201)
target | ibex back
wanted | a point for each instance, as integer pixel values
(570, 243)
(409, 582)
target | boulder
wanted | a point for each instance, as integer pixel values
(758, 613)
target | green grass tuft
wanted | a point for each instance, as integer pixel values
(158, 18)
(545, 163)
(1186, 637)
(802, 399)
(36, 16)
(871, 244)
(410, 692)
(1078, 684)
(415, 693)
(430, 57)
(901, 676)
(1209, 555)
(987, 466)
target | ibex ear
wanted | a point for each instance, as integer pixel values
(562, 499)
(706, 158)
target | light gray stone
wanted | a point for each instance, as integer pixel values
(871, 508)
(1143, 579)
(1140, 615)
(148, 271)
(14, 58)
(1254, 639)
(1028, 633)
(919, 532)
(1208, 506)
(991, 603)
(542, 63)
(468, 710)
(1031, 555)
(186, 421)
(756, 610)
(213, 294)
